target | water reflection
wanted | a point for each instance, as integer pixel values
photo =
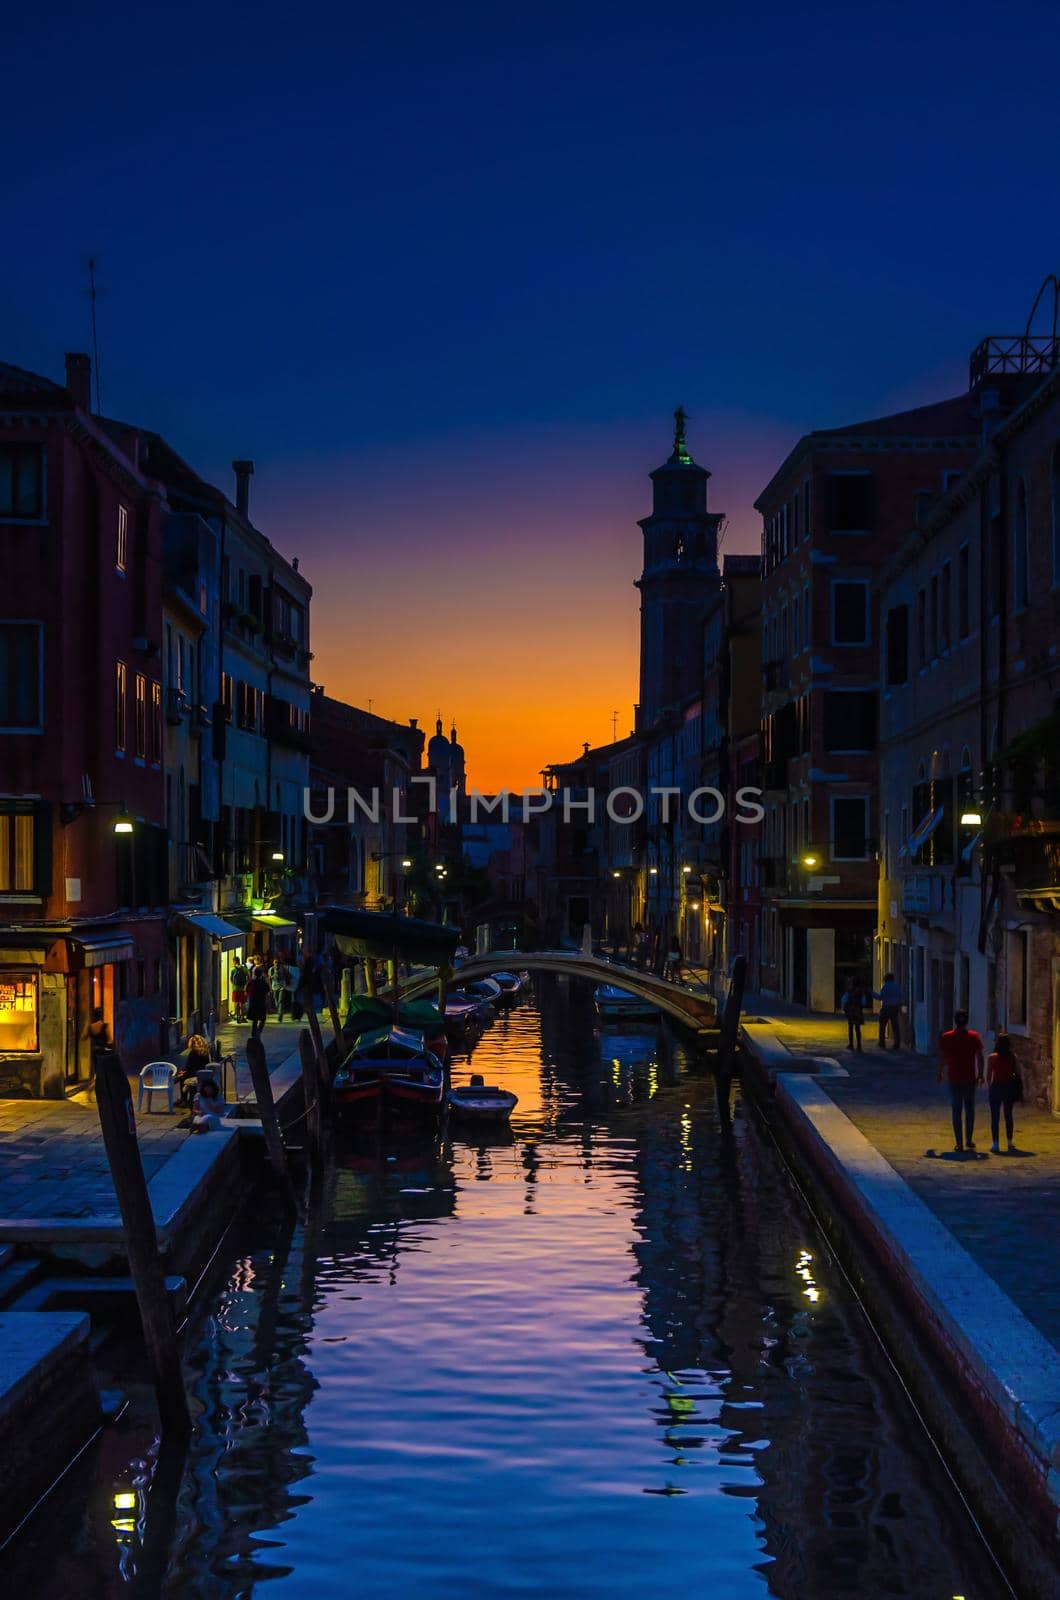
(594, 1354)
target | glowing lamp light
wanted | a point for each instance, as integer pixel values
(653, 872)
(125, 1500)
(693, 905)
(406, 863)
(277, 855)
(616, 874)
(124, 823)
(686, 870)
(971, 819)
(811, 860)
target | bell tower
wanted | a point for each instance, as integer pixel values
(679, 580)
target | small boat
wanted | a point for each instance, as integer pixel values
(618, 1005)
(481, 1100)
(392, 1070)
(485, 989)
(510, 985)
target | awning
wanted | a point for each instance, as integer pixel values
(922, 832)
(379, 934)
(99, 949)
(273, 920)
(228, 936)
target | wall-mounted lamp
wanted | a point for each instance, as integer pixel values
(810, 860)
(971, 819)
(653, 872)
(277, 855)
(123, 823)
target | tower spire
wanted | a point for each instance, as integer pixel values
(680, 452)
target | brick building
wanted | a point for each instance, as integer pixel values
(83, 847)
(833, 514)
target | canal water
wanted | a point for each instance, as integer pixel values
(602, 1354)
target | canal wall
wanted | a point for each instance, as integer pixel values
(985, 1380)
(47, 1392)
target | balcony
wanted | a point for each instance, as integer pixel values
(1013, 353)
(286, 724)
(1031, 862)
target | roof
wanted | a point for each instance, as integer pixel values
(948, 420)
(31, 388)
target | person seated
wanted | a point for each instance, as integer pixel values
(207, 1108)
(196, 1064)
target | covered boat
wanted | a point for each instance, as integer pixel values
(482, 1101)
(389, 1070)
(618, 1005)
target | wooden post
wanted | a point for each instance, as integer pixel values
(311, 1091)
(395, 968)
(445, 972)
(730, 1021)
(270, 1122)
(318, 1046)
(329, 997)
(118, 1122)
(369, 976)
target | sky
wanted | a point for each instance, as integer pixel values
(445, 273)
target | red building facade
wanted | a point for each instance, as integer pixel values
(82, 904)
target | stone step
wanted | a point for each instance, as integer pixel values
(15, 1277)
(101, 1297)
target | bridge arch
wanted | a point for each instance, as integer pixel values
(694, 1011)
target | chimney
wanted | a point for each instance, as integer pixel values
(79, 379)
(244, 471)
(413, 721)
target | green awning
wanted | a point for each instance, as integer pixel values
(378, 934)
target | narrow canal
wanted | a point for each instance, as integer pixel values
(600, 1355)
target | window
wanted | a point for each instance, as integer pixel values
(226, 695)
(21, 480)
(1016, 964)
(180, 682)
(849, 719)
(850, 827)
(850, 611)
(16, 850)
(806, 617)
(1055, 497)
(807, 508)
(851, 502)
(121, 554)
(898, 644)
(1020, 552)
(997, 565)
(21, 670)
(156, 724)
(18, 1009)
(944, 606)
(121, 689)
(140, 722)
(921, 628)
(795, 520)
(795, 646)
(247, 698)
(964, 592)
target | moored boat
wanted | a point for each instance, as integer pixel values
(389, 1070)
(481, 1101)
(619, 1005)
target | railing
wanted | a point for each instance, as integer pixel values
(1017, 352)
(1032, 863)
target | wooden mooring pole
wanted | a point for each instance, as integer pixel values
(118, 1122)
(311, 1089)
(730, 1020)
(333, 1010)
(270, 1121)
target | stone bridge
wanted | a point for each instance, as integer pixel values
(693, 1010)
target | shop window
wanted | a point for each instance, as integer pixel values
(18, 1009)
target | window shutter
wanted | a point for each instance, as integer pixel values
(42, 848)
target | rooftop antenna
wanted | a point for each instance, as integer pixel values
(614, 726)
(1052, 281)
(369, 705)
(92, 297)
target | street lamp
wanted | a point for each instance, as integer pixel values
(971, 819)
(653, 872)
(277, 855)
(811, 860)
(686, 870)
(123, 823)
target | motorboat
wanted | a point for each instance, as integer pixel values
(482, 1101)
(485, 989)
(389, 1070)
(510, 984)
(368, 1013)
(619, 1005)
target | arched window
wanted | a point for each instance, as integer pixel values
(1020, 552)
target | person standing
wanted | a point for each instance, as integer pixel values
(280, 981)
(257, 998)
(890, 997)
(674, 961)
(240, 977)
(961, 1059)
(852, 1005)
(1003, 1089)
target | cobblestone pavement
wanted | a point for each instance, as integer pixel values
(1003, 1209)
(52, 1160)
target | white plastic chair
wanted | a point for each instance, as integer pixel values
(156, 1077)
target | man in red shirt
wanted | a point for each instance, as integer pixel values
(961, 1058)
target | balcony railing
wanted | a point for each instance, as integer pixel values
(1014, 353)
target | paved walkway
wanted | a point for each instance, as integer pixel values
(1002, 1209)
(52, 1160)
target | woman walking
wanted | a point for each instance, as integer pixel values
(257, 998)
(1003, 1089)
(852, 1006)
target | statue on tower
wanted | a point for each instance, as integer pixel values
(680, 453)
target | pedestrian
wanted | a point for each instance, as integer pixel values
(890, 997)
(257, 998)
(674, 961)
(98, 1035)
(852, 1005)
(207, 1108)
(961, 1058)
(1004, 1088)
(640, 946)
(281, 982)
(240, 977)
(306, 983)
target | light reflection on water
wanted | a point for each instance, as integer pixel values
(601, 1353)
